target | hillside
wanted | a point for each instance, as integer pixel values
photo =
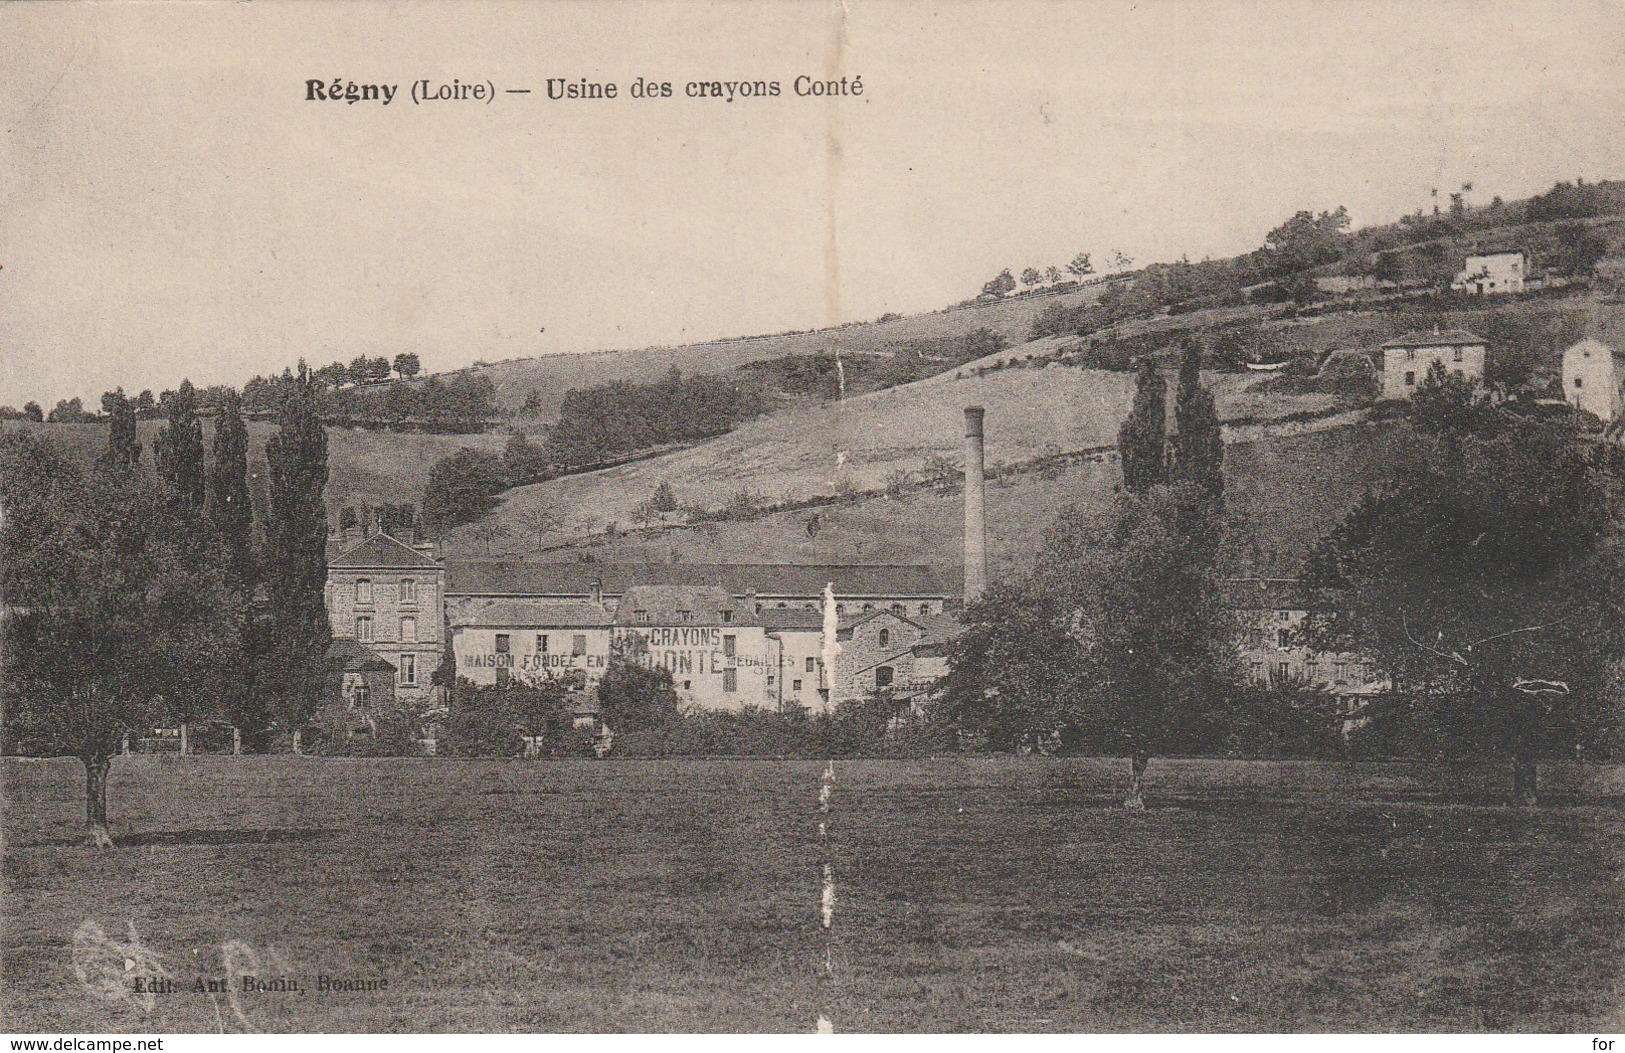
(553, 375)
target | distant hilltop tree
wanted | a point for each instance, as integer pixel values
(407, 365)
(1001, 286)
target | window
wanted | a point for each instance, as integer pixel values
(360, 695)
(1410, 379)
(1410, 354)
(1456, 357)
(541, 643)
(363, 590)
(883, 676)
(642, 617)
(730, 680)
(409, 669)
(811, 666)
(1579, 382)
(727, 616)
(1283, 638)
(687, 684)
(685, 616)
(409, 591)
(885, 637)
(409, 630)
(1340, 672)
(1283, 670)
(504, 643)
(578, 645)
(503, 676)
(867, 607)
(1283, 616)
(771, 680)
(897, 608)
(363, 629)
(730, 645)
(925, 608)
(795, 685)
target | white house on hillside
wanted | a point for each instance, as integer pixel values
(1405, 361)
(1594, 379)
(1492, 274)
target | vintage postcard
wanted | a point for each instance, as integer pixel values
(838, 517)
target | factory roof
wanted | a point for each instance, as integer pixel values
(525, 578)
(534, 614)
(682, 605)
(775, 618)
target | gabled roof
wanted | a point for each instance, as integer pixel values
(682, 605)
(1447, 338)
(527, 614)
(525, 578)
(345, 655)
(382, 552)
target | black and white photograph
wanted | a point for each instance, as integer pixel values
(812, 517)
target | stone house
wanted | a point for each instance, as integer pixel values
(1407, 359)
(1594, 380)
(885, 650)
(385, 594)
(1493, 274)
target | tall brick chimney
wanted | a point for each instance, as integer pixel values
(975, 506)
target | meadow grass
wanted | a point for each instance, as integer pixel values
(973, 894)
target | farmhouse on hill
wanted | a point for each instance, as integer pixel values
(1406, 360)
(1492, 274)
(1594, 380)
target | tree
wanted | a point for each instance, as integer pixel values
(633, 696)
(1080, 267)
(1486, 581)
(1002, 285)
(1446, 402)
(1031, 277)
(1198, 446)
(489, 531)
(522, 459)
(378, 368)
(360, 369)
(408, 365)
(32, 411)
(538, 523)
(1052, 274)
(1142, 440)
(1306, 240)
(664, 498)
(295, 559)
(67, 411)
(230, 508)
(334, 375)
(1121, 261)
(462, 487)
(179, 449)
(123, 448)
(120, 613)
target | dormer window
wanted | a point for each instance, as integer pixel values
(641, 617)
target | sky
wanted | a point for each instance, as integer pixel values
(172, 205)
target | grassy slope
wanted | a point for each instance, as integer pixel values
(1002, 894)
(363, 466)
(553, 375)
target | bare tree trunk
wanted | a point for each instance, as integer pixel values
(236, 741)
(1525, 780)
(185, 740)
(296, 750)
(1135, 801)
(96, 801)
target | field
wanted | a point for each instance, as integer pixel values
(975, 894)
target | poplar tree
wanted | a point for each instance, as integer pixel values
(1198, 445)
(230, 508)
(123, 448)
(1142, 439)
(179, 447)
(295, 562)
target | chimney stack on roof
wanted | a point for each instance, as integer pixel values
(975, 506)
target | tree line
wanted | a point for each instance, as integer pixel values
(1483, 577)
(139, 594)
